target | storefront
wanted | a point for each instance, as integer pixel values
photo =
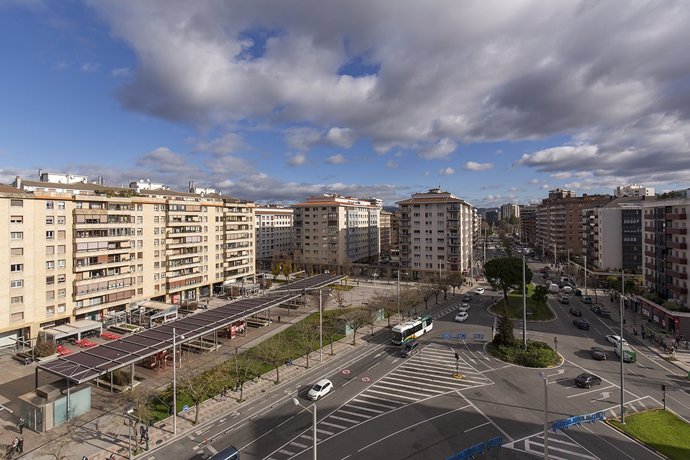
(673, 322)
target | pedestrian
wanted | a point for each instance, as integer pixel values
(21, 424)
(634, 331)
(224, 392)
(15, 444)
(112, 457)
(84, 457)
(142, 433)
(20, 445)
(289, 361)
(278, 318)
(642, 333)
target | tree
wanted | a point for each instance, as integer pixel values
(307, 334)
(455, 280)
(540, 294)
(442, 285)
(409, 299)
(286, 268)
(371, 316)
(197, 385)
(339, 296)
(355, 319)
(272, 352)
(426, 292)
(332, 327)
(242, 367)
(388, 301)
(505, 273)
(140, 399)
(504, 333)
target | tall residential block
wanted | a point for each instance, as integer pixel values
(436, 232)
(333, 231)
(274, 233)
(78, 250)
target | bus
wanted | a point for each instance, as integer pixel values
(411, 329)
(629, 355)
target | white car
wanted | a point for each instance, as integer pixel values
(464, 307)
(614, 339)
(320, 389)
(479, 290)
(462, 317)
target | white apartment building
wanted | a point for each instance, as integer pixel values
(274, 233)
(332, 231)
(633, 190)
(84, 251)
(509, 210)
(436, 234)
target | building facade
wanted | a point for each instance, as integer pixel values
(332, 231)
(436, 234)
(385, 230)
(79, 250)
(509, 210)
(274, 233)
(633, 190)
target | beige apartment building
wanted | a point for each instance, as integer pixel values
(333, 231)
(274, 233)
(385, 232)
(78, 250)
(436, 234)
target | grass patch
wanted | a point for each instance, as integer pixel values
(535, 311)
(660, 430)
(538, 354)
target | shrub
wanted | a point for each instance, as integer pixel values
(44, 348)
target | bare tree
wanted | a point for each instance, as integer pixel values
(371, 315)
(339, 296)
(455, 280)
(441, 285)
(332, 327)
(241, 366)
(355, 319)
(308, 336)
(409, 299)
(197, 381)
(272, 352)
(140, 399)
(427, 291)
(58, 448)
(388, 301)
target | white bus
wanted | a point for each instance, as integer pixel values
(411, 329)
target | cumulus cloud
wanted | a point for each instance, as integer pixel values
(474, 166)
(336, 159)
(227, 143)
(89, 67)
(447, 171)
(121, 72)
(439, 150)
(342, 137)
(392, 164)
(165, 160)
(297, 160)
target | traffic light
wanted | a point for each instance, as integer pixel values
(663, 387)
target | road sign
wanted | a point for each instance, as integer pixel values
(185, 408)
(345, 371)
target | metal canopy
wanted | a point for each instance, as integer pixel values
(97, 361)
(314, 282)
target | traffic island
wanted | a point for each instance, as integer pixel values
(660, 430)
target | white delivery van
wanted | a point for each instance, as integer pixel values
(567, 290)
(553, 288)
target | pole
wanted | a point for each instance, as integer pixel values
(314, 430)
(524, 306)
(586, 275)
(546, 416)
(174, 385)
(320, 325)
(398, 289)
(554, 256)
(620, 344)
(129, 439)
(568, 268)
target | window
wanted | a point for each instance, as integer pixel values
(17, 299)
(50, 296)
(14, 284)
(17, 203)
(61, 220)
(61, 308)
(16, 235)
(61, 205)
(50, 235)
(61, 234)
(50, 250)
(62, 249)
(61, 279)
(19, 316)
(50, 265)
(17, 251)
(50, 205)
(16, 268)
(16, 219)
(62, 292)
(61, 263)
(50, 280)
(50, 220)
(50, 311)
(139, 219)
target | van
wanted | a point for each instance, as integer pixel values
(410, 349)
(229, 453)
(567, 290)
(553, 288)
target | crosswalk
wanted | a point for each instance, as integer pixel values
(428, 374)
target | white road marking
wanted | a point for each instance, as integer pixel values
(478, 426)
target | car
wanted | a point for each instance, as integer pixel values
(564, 299)
(320, 389)
(586, 299)
(479, 290)
(229, 453)
(464, 307)
(575, 311)
(409, 349)
(587, 380)
(462, 317)
(598, 353)
(614, 339)
(466, 298)
(581, 324)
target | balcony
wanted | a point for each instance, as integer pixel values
(675, 274)
(651, 240)
(676, 231)
(678, 289)
(178, 283)
(675, 245)
(650, 278)
(650, 228)
(88, 289)
(650, 254)
(676, 260)
(672, 216)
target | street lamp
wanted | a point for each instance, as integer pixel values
(174, 354)
(296, 402)
(128, 411)
(546, 415)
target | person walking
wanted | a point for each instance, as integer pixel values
(20, 425)
(20, 445)
(15, 444)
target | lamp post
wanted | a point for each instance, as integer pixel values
(620, 344)
(398, 289)
(175, 380)
(128, 412)
(546, 415)
(586, 275)
(320, 325)
(296, 402)
(524, 306)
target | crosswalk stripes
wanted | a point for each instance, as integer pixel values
(426, 375)
(561, 447)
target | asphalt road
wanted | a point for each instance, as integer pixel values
(385, 406)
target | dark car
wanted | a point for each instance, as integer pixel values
(581, 324)
(564, 299)
(466, 298)
(409, 349)
(576, 311)
(586, 380)
(598, 353)
(586, 299)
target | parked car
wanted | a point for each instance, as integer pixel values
(586, 299)
(598, 353)
(320, 389)
(604, 312)
(466, 298)
(564, 299)
(614, 339)
(581, 324)
(587, 380)
(575, 311)
(479, 290)
(464, 307)
(409, 349)
(462, 317)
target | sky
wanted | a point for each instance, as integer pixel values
(273, 101)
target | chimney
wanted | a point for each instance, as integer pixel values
(18, 182)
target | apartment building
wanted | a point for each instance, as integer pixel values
(395, 232)
(559, 221)
(528, 225)
(79, 250)
(633, 190)
(436, 233)
(385, 230)
(332, 231)
(509, 210)
(274, 233)
(612, 235)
